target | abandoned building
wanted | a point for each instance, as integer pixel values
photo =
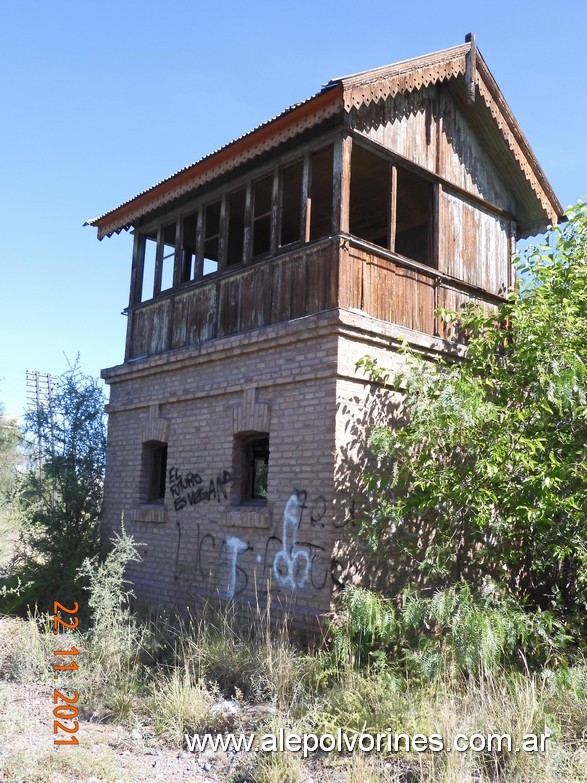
(260, 275)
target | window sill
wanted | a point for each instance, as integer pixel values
(149, 512)
(248, 517)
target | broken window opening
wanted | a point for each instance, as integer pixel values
(154, 471)
(168, 257)
(254, 454)
(413, 232)
(236, 227)
(188, 255)
(370, 196)
(321, 193)
(291, 203)
(211, 238)
(262, 194)
(149, 262)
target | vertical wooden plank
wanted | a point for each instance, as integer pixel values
(128, 349)
(222, 239)
(158, 262)
(392, 208)
(341, 186)
(138, 263)
(436, 225)
(274, 235)
(248, 235)
(306, 201)
(199, 262)
(512, 249)
(341, 177)
(178, 259)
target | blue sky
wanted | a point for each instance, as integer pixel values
(101, 100)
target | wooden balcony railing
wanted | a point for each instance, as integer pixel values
(337, 271)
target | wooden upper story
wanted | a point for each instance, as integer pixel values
(396, 191)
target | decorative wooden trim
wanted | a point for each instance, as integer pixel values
(268, 136)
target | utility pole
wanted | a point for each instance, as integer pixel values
(39, 386)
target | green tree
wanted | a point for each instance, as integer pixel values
(62, 503)
(488, 474)
(11, 459)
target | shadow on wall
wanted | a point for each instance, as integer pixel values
(389, 568)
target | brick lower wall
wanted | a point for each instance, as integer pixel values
(299, 382)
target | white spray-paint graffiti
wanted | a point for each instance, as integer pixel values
(234, 546)
(291, 566)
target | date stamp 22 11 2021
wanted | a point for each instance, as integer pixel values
(65, 712)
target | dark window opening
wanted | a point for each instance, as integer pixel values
(413, 231)
(321, 193)
(291, 203)
(149, 267)
(262, 193)
(236, 227)
(168, 257)
(370, 197)
(211, 238)
(188, 257)
(154, 471)
(256, 468)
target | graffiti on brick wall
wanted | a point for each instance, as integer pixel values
(190, 489)
(234, 547)
(291, 564)
(287, 562)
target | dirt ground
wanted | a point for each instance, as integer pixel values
(107, 752)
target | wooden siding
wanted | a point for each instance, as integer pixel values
(289, 286)
(405, 124)
(387, 290)
(428, 128)
(402, 292)
(462, 158)
(474, 245)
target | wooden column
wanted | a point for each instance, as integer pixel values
(136, 277)
(392, 206)
(178, 258)
(248, 235)
(223, 236)
(341, 190)
(199, 262)
(306, 200)
(158, 262)
(274, 237)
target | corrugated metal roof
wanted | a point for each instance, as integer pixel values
(210, 155)
(492, 117)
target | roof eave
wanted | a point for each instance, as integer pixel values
(270, 134)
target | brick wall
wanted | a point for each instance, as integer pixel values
(299, 382)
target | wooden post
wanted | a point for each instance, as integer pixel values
(199, 262)
(471, 67)
(437, 227)
(341, 186)
(136, 278)
(274, 236)
(248, 232)
(392, 207)
(306, 200)
(158, 262)
(223, 236)
(178, 258)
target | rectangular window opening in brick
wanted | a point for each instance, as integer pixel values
(254, 451)
(154, 471)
